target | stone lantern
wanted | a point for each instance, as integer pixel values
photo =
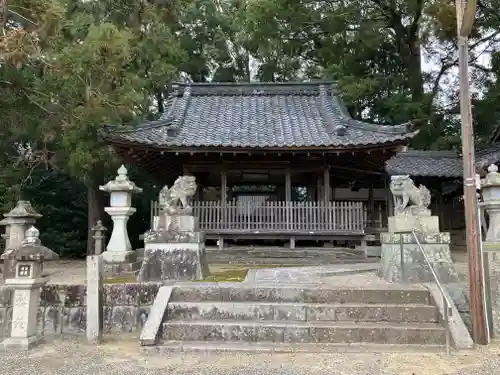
(119, 249)
(490, 190)
(26, 285)
(16, 222)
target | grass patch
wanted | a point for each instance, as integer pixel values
(237, 275)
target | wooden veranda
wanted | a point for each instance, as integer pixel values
(288, 220)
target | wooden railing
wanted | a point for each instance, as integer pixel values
(278, 217)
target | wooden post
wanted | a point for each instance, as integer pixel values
(319, 188)
(389, 200)
(223, 199)
(371, 208)
(288, 198)
(326, 185)
(223, 186)
(288, 185)
(440, 208)
(466, 12)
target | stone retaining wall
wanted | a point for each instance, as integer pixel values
(63, 308)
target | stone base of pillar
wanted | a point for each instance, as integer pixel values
(492, 279)
(173, 261)
(117, 269)
(21, 343)
(119, 256)
(416, 270)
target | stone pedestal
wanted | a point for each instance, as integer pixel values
(436, 247)
(26, 299)
(408, 223)
(402, 259)
(119, 249)
(119, 256)
(176, 254)
(26, 283)
(173, 261)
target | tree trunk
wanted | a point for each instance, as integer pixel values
(95, 210)
(414, 68)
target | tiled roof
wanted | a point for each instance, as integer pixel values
(439, 163)
(487, 156)
(260, 115)
(426, 163)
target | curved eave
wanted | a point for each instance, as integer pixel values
(119, 138)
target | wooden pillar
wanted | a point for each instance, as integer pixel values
(198, 196)
(319, 188)
(288, 185)
(223, 186)
(326, 185)
(288, 202)
(223, 199)
(371, 208)
(389, 200)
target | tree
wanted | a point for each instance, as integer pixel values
(85, 66)
(373, 49)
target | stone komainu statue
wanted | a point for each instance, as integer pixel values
(179, 195)
(408, 198)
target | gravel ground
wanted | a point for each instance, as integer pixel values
(76, 358)
(73, 356)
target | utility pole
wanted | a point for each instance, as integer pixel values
(466, 13)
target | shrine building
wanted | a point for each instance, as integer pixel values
(281, 161)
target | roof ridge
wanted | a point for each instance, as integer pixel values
(311, 88)
(257, 83)
(405, 127)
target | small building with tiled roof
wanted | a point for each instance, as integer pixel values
(297, 137)
(440, 164)
(420, 163)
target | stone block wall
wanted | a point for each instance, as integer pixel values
(63, 308)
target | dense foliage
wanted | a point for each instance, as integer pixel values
(69, 66)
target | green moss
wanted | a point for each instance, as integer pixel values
(235, 275)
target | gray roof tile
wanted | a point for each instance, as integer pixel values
(259, 115)
(426, 164)
(487, 156)
(439, 163)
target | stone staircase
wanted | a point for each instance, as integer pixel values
(310, 318)
(278, 255)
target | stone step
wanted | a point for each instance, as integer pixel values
(302, 261)
(412, 313)
(299, 293)
(303, 332)
(307, 256)
(266, 347)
